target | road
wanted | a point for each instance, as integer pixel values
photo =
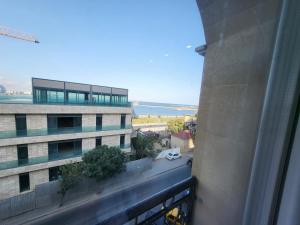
(95, 211)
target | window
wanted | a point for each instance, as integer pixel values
(54, 173)
(21, 126)
(98, 141)
(122, 140)
(22, 154)
(55, 96)
(101, 98)
(77, 97)
(64, 149)
(64, 123)
(24, 182)
(123, 119)
(99, 122)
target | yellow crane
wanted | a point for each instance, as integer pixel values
(4, 31)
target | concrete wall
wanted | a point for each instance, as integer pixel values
(7, 122)
(8, 153)
(36, 121)
(89, 120)
(38, 177)
(239, 37)
(111, 120)
(37, 149)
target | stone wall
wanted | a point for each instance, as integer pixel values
(89, 120)
(111, 140)
(37, 149)
(7, 122)
(128, 119)
(9, 186)
(36, 121)
(38, 177)
(88, 143)
(8, 153)
(111, 120)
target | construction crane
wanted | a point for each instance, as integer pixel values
(18, 35)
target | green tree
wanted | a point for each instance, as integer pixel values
(175, 126)
(144, 146)
(69, 176)
(103, 162)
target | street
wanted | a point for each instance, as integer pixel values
(94, 212)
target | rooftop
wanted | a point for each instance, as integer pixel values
(45, 91)
(185, 135)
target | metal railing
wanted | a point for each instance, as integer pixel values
(173, 205)
(47, 158)
(52, 131)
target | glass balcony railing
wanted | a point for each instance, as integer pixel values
(47, 158)
(51, 131)
(84, 102)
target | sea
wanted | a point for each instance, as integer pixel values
(162, 109)
(140, 108)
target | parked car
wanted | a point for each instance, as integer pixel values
(173, 155)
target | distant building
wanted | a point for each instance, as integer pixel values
(65, 120)
(183, 140)
(153, 127)
(2, 89)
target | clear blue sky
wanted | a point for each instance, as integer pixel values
(136, 44)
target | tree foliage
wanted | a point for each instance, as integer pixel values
(176, 125)
(69, 177)
(144, 146)
(103, 162)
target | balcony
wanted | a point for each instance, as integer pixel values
(173, 205)
(48, 158)
(6, 99)
(45, 131)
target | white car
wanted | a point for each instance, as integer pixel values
(173, 155)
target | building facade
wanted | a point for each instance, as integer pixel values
(64, 120)
(183, 140)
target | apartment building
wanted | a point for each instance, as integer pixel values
(64, 120)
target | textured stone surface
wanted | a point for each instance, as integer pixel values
(9, 186)
(38, 177)
(88, 143)
(40, 166)
(89, 120)
(128, 119)
(7, 122)
(111, 140)
(37, 149)
(36, 121)
(8, 153)
(61, 109)
(57, 137)
(111, 120)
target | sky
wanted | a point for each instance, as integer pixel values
(147, 47)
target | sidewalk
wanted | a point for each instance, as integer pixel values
(109, 187)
